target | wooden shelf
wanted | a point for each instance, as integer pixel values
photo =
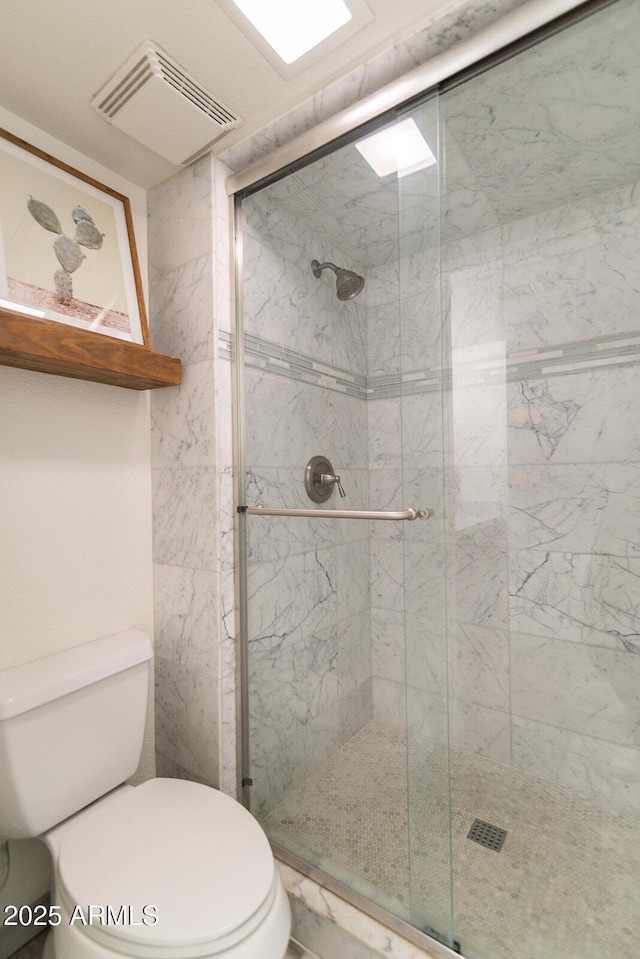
(50, 347)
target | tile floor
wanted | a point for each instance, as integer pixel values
(33, 950)
(565, 884)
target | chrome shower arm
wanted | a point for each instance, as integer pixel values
(317, 268)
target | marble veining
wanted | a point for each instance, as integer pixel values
(575, 418)
(184, 498)
(575, 508)
(180, 308)
(547, 107)
(182, 429)
(187, 725)
(584, 598)
(548, 418)
(185, 616)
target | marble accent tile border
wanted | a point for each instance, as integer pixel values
(225, 345)
(614, 350)
(266, 355)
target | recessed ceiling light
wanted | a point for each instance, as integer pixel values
(400, 149)
(292, 27)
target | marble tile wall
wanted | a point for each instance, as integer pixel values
(542, 494)
(541, 374)
(192, 489)
(308, 580)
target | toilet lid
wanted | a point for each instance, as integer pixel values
(192, 853)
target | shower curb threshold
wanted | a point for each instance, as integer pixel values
(296, 951)
(328, 925)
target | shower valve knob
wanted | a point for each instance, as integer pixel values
(328, 479)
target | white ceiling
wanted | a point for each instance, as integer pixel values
(55, 56)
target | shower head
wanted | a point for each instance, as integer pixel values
(348, 283)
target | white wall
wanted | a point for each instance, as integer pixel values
(75, 491)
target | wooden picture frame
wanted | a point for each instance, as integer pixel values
(67, 246)
(71, 297)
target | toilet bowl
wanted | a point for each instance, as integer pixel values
(165, 870)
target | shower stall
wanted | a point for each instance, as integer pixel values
(441, 654)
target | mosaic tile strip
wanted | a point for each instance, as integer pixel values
(265, 355)
(608, 351)
(225, 345)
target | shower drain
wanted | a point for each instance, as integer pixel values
(487, 835)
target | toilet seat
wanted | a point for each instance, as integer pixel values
(130, 853)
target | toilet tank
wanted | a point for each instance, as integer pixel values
(71, 729)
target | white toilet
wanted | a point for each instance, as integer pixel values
(165, 870)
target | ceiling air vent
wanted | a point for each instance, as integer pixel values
(154, 101)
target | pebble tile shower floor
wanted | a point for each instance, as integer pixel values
(566, 883)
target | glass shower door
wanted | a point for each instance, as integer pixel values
(540, 245)
(421, 403)
(339, 747)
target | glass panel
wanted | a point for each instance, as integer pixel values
(418, 398)
(326, 598)
(541, 245)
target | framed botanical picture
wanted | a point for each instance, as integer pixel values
(67, 247)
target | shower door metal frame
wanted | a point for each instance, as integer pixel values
(519, 30)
